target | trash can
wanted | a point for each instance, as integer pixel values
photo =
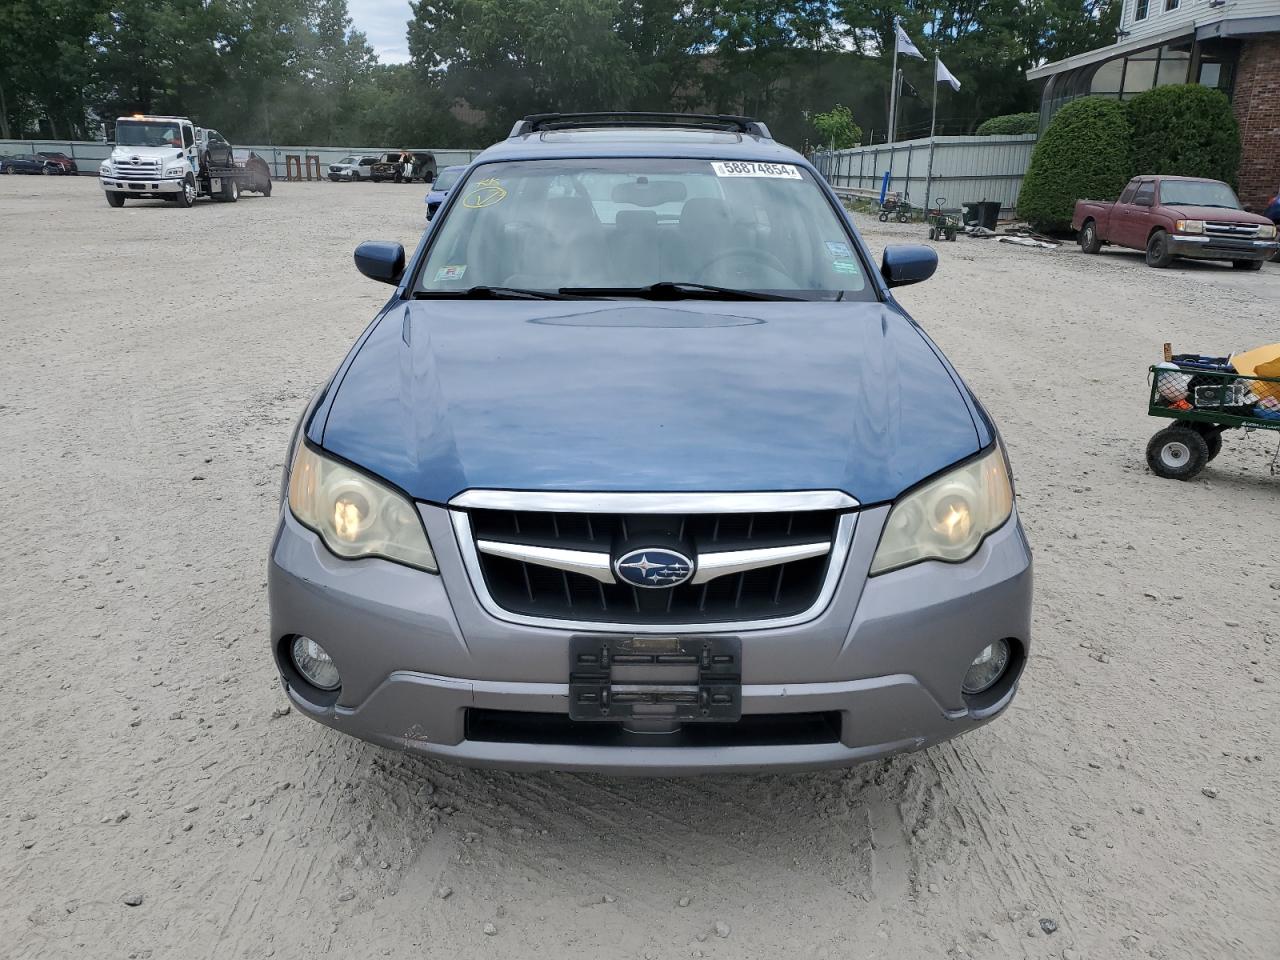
(984, 212)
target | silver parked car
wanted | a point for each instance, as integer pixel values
(643, 469)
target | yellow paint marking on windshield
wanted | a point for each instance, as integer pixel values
(484, 194)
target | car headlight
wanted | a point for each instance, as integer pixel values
(947, 518)
(1189, 226)
(1267, 232)
(105, 168)
(355, 515)
(177, 171)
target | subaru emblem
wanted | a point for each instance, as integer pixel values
(653, 567)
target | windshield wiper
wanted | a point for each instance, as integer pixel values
(674, 290)
(485, 292)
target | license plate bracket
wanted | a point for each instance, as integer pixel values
(659, 678)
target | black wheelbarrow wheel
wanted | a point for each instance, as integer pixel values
(1212, 437)
(884, 216)
(933, 233)
(1177, 453)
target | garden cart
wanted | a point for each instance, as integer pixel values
(1205, 396)
(897, 208)
(942, 225)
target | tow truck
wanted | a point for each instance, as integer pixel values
(170, 158)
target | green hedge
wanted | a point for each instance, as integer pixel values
(1009, 124)
(1084, 153)
(1185, 130)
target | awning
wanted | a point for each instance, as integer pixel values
(1111, 52)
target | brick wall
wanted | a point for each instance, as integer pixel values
(1257, 108)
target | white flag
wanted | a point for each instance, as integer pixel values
(943, 75)
(905, 45)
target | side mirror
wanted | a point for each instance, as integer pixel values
(906, 263)
(379, 260)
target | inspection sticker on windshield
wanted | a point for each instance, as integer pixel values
(453, 272)
(750, 168)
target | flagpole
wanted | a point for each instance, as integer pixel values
(933, 123)
(893, 86)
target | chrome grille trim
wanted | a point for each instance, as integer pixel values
(599, 567)
(571, 502)
(839, 550)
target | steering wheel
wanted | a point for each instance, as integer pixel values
(756, 258)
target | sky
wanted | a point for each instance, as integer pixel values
(383, 22)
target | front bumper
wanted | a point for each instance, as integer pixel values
(418, 654)
(118, 185)
(1221, 248)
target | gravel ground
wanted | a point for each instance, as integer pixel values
(160, 803)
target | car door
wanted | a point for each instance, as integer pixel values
(1124, 213)
(1139, 223)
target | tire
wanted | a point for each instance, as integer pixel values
(1247, 264)
(933, 233)
(1212, 437)
(1178, 453)
(188, 195)
(266, 187)
(46, 171)
(884, 217)
(1089, 241)
(230, 190)
(1158, 254)
(115, 199)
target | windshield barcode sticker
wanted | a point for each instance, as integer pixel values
(752, 168)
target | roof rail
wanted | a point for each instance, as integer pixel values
(623, 118)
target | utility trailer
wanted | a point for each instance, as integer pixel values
(170, 158)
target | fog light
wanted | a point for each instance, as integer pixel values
(987, 668)
(314, 664)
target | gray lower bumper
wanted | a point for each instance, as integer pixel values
(1219, 248)
(416, 652)
(140, 186)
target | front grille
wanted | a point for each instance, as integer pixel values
(753, 730)
(1234, 231)
(136, 169)
(546, 592)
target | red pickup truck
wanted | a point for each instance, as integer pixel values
(1177, 217)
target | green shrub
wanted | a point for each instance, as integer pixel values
(1085, 152)
(1009, 124)
(837, 127)
(1185, 130)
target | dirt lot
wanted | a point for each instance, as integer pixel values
(153, 362)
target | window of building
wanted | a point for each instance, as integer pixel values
(1171, 5)
(1140, 10)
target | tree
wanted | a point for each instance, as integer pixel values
(514, 57)
(1085, 152)
(837, 127)
(1185, 130)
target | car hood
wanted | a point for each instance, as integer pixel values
(449, 395)
(1220, 214)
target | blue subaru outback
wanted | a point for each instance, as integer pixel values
(642, 469)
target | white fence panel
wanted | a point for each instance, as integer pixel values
(89, 153)
(965, 169)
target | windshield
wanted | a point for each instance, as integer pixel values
(148, 133)
(446, 179)
(626, 224)
(1197, 193)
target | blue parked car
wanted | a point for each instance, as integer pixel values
(643, 469)
(440, 188)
